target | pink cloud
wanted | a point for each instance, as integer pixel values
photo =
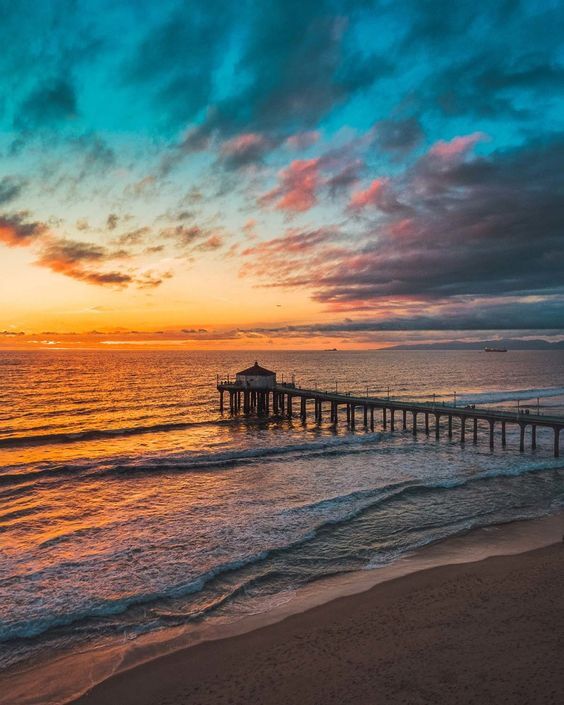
(213, 242)
(371, 196)
(297, 190)
(249, 228)
(242, 143)
(247, 148)
(458, 146)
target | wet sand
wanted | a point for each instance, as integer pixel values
(483, 633)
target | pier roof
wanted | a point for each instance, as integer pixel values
(257, 371)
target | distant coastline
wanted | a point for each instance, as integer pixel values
(509, 343)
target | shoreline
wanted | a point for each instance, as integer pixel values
(486, 631)
(95, 667)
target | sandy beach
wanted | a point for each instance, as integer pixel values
(485, 632)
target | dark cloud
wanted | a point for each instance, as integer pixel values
(112, 221)
(83, 261)
(133, 237)
(244, 150)
(467, 225)
(194, 238)
(47, 104)
(176, 61)
(398, 135)
(302, 140)
(95, 153)
(345, 178)
(474, 315)
(506, 78)
(18, 230)
(10, 188)
(297, 65)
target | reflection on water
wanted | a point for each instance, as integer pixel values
(128, 504)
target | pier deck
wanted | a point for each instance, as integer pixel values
(279, 401)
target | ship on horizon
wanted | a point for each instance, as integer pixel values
(495, 349)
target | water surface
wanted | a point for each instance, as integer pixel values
(129, 505)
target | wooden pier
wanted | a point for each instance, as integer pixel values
(288, 400)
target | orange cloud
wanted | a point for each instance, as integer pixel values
(16, 232)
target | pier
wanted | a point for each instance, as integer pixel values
(256, 391)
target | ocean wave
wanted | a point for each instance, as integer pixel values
(510, 395)
(182, 462)
(414, 488)
(99, 433)
(369, 500)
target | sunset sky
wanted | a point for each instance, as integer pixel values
(280, 174)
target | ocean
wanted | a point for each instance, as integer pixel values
(130, 506)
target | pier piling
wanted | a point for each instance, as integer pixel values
(279, 398)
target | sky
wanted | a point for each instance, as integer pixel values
(280, 174)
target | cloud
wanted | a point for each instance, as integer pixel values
(243, 150)
(213, 242)
(302, 140)
(133, 237)
(295, 66)
(49, 103)
(147, 187)
(18, 231)
(398, 135)
(84, 261)
(112, 221)
(457, 148)
(334, 172)
(10, 188)
(185, 235)
(291, 255)
(543, 315)
(470, 226)
(175, 62)
(377, 194)
(298, 185)
(194, 238)
(79, 260)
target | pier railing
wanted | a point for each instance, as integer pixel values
(279, 399)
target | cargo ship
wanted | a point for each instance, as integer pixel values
(495, 349)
